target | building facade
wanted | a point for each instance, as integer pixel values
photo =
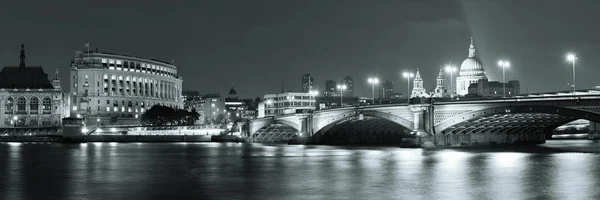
(330, 89)
(29, 99)
(324, 102)
(485, 88)
(471, 71)
(286, 103)
(349, 82)
(386, 90)
(110, 88)
(212, 109)
(307, 83)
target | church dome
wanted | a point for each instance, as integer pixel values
(471, 66)
(232, 91)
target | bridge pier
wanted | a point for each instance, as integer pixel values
(594, 132)
(422, 124)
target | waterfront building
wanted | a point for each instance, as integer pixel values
(191, 100)
(349, 82)
(29, 99)
(418, 90)
(485, 88)
(286, 103)
(307, 83)
(330, 88)
(440, 90)
(119, 88)
(213, 109)
(471, 71)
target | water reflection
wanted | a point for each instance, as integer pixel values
(254, 171)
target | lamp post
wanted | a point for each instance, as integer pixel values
(341, 88)
(408, 75)
(451, 69)
(211, 112)
(572, 57)
(373, 81)
(504, 64)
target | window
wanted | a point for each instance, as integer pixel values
(9, 106)
(107, 101)
(46, 105)
(21, 105)
(34, 105)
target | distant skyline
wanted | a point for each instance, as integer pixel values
(257, 44)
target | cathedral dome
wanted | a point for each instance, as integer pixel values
(471, 66)
(232, 91)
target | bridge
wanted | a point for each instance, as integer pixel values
(434, 122)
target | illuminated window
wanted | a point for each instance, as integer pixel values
(107, 109)
(118, 62)
(86, 76)
(74, 108)
(105, 76)
(104, 60)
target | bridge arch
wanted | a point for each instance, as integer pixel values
(322, 125)
(572, 114)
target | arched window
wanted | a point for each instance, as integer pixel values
(34, 103)
(46, 105)
(129, 104)
(21, 103)
(9, 105)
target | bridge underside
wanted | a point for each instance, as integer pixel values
(503, 129)
(369, 130)
(276, 133)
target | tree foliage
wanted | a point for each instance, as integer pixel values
(160, 115)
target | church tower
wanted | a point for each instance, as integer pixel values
(418, 91)
(56, 81)
(440, 89)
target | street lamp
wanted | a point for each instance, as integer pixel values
(341, 88)
(504, 64)
(572, 57)
(373, 81)
(451, 69)
(408, 75)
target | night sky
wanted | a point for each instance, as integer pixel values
(257, 44)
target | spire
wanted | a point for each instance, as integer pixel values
(441, 74)
(418, 75)
(471, 49)
(22, 65)
(56, 76)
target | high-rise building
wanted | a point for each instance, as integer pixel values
(471, 71)
(330, 88)
(307, 83)
(386, 90)
(349, 82)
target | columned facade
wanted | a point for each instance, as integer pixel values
(117, 89)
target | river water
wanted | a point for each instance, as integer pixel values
(556, 170)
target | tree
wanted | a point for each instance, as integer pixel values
(160, 115)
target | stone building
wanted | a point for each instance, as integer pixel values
(29, 99)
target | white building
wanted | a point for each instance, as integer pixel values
(418, 90)
(116, 89)
(471, 71)
(29, 99)
(286, 103)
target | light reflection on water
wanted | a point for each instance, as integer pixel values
(255, 171)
